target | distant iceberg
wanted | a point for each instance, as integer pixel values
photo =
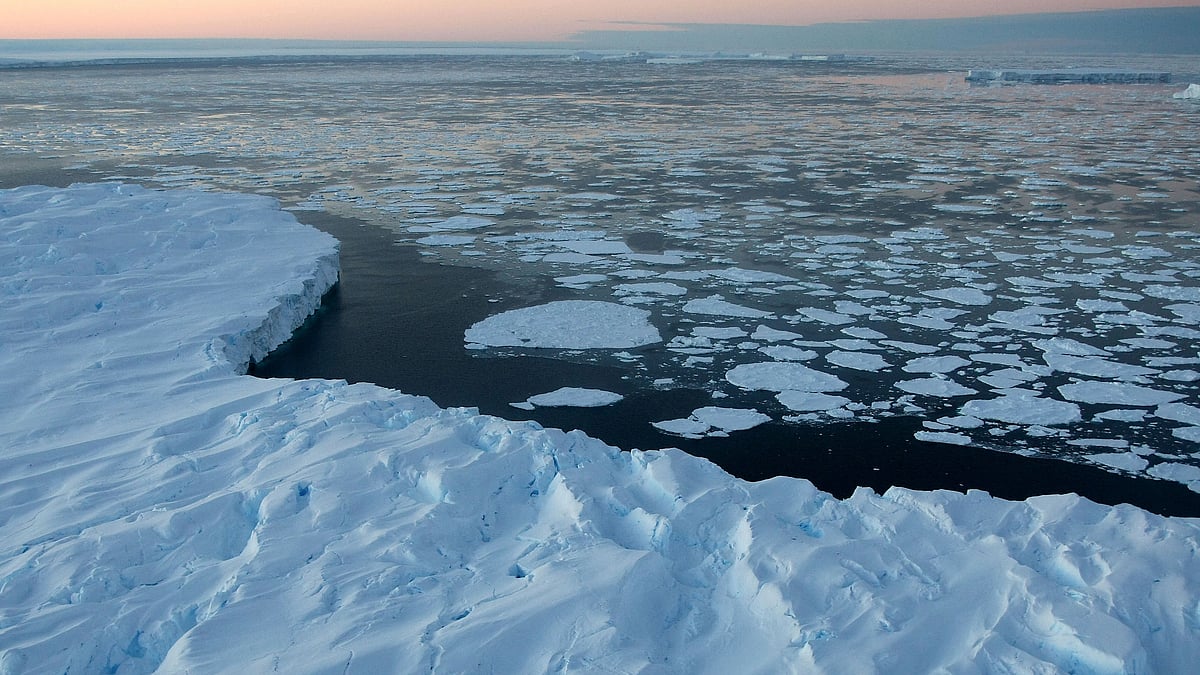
(1068, 76)
(1192, 92)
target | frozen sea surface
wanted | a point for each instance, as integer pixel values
(850, 216)
(161, 512)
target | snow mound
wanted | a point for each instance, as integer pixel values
(160, 512)
(567, 324)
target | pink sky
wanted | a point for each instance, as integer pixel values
(468, 20)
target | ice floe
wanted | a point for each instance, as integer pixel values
(713, 421)
(574, 397)
(567, 324)
(783, 376)
(1025, 408)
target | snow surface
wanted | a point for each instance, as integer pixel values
(159, 511)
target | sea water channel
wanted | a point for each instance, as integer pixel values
(1004, 279)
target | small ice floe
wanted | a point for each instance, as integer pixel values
(574, 397)
(858, 360)
(453, 223)
(935, 364)
(1125, 461)
(935, 386)
(943, 437)
(716, 305)
(664, 288)
(788, 353)
(446, 240)
(712, 421)
(826, 316)
(768, 334)
(774, 376)
(567, 324)
(1024, 408)
(961, 295)
(804, 401)
(580, 280)
(964, 208)
(1179, 412)
(595, 246)
(1095, 366)
(740, 275)
(1116, 393)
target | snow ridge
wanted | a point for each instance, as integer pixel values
(160, 512)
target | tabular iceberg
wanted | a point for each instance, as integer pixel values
(159, 511)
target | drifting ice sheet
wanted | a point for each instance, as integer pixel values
(160, 512)
(575, 397)
(567, 324)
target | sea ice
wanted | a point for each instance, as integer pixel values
(575, 397)
(446, 240)
(935, 364)
(651, 288)
(776, 376)
(961, 296)
(703, 421)
(1023, 408)
(935, 386)
(826, 316)
(1126, 461)
(768, 334)
(857, 360)
(595, 246)
(1191, 92)
(803, 401)
(943, 437)
(716, 305)
(1095, 366)
(567, 324)
(1118, 393)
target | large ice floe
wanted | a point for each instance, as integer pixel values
(160, 511)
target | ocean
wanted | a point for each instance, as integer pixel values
(1002, 280)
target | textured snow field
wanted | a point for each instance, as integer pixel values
(161, 511)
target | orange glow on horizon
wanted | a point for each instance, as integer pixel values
(468, 20)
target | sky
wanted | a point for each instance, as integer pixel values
(472, 20)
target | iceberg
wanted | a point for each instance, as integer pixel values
(160, 511)
(1192, 92)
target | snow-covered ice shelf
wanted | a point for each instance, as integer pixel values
(160, 511)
